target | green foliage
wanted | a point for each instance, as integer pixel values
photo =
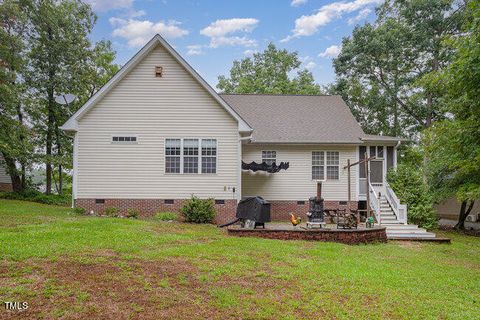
(112, 211)
(453, 145)
(407, 182)
(36, 196)
(198, 210)
(166, 216)
(78, 210)
(269, 72)
(381, 65)
(133, 213)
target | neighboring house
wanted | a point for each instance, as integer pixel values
(157, 133)
(5, 181)
(450, 210)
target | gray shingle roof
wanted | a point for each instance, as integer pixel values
(297, 118)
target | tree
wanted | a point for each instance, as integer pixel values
(453, 145)
(14, 135)
(387, 59)
(59, 51)
(269, 72)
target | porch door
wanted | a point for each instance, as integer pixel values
(376, 172)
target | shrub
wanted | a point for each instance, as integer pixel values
(166, 216)
(111, 211)
(78, 210)
(198, 210)
(37, 196)
(132, 213)
(407, 182)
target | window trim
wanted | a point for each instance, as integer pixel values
(123, 135)
(324, 165)
(275, 159)
(182, 155)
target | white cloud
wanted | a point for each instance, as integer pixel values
(296, 3)
(138, 32)
(308, 63)
(308, 25)
(106, 5)
(194, 50)
(220, 32)
(331, 52)
(249, 52)
(362, 15)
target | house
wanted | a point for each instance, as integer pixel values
(157, 133)
(5, 181)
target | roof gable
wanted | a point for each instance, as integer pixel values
(72, 123)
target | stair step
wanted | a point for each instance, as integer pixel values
(402, 227)
(403, 231)
(411, 235)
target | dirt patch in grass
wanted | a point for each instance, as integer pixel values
(105, 286)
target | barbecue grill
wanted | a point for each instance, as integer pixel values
(253, 212)
(316, 214)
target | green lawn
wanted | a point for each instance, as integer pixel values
(68, 266)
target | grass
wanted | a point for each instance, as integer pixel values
(71, 266)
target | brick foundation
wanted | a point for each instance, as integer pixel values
(6, 187)
(149, 207)
(280, 210)
(348, 236)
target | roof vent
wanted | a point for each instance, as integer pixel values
(158, 71)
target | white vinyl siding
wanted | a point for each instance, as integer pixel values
(4, 177)
(174, 106)
(296, 182)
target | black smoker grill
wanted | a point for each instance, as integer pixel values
(253, 212)
(316, 215)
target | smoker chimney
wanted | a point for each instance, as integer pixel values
(319, 191)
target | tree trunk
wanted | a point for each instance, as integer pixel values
(22, 140)
(50, 120)
(464, 212)
(12, 171)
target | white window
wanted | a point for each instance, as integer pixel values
(325, 164)
(333, 162)
(124, 139)
(172, 155)
(209, 156)
(191, 156)
(269, 157)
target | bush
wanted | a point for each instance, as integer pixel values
(111, 211)
(78, 210)
(132, 213)
(198, 210)
(166, 216)
(407, 182)
(37, 196)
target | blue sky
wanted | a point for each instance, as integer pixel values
(211, 34)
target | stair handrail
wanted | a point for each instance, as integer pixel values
(374, 202)
(400, 210)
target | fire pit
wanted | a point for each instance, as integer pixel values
(316, 215)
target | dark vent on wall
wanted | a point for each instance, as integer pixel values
(301, 202)
(158, 71)
(169, 201)
(100, 201)
(342, 203)
(219, 201)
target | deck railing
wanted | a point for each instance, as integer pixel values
(400, 210)
(374, 202)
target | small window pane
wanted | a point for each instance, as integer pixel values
(318, 172)
(172, 164)
(172, 155)
(332, 172)
(332, 158)
(372, 151)
(380, 152)
(361, 156)
(190, 164)
(209, 165)
(269, 157)
(318, 158)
